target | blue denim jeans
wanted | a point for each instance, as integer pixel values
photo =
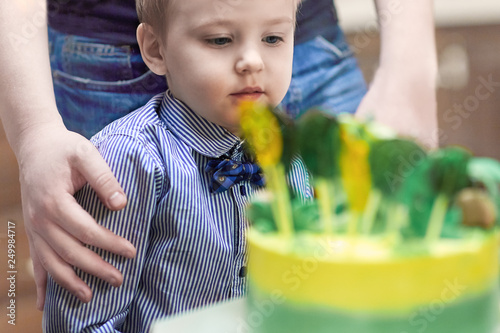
(96, 83)
(325, 75)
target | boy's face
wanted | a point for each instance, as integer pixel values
(219, 52)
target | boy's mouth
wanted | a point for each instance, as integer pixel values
(250, 93)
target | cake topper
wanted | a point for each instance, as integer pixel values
(367, 182)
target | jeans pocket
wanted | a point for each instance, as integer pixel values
(340, 49)
(148, 83)
(97, 62)
(86, 106)
(93, 59)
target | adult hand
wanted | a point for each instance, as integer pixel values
(55, 163)
(404, 102)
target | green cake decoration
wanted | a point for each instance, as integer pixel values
(319, 146)
(305, 215)
(366, 180)
(391, 161)
(448, 175)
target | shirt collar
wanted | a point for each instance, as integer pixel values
(203, 136)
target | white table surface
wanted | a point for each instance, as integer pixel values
(228, 317)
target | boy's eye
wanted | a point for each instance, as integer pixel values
(219, 41)
(273, 39)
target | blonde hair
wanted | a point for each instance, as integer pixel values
(152, 12)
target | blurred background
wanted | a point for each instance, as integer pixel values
(468, 46)
(468, 43)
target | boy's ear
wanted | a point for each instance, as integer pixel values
(151, 50)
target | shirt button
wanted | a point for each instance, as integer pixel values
(234, 166)
(243, 190)
(222, 179)
(243, 272)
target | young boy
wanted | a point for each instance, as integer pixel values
(189, 233)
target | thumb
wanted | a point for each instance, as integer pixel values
(40, 281)
(97, 173)
(39, 274)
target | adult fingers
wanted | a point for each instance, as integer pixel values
(78, 255)
(57, 251)
(62, 273)
(61, 255)
(77, 222)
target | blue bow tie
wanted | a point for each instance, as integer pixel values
(225, 173)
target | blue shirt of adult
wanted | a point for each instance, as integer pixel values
(191, 244)
(115, 21)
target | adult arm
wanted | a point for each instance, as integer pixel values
(53, 162)
(106, 312)
(402, 94)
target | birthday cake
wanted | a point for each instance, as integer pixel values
(396, 239)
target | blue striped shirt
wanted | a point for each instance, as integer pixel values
(191, 245)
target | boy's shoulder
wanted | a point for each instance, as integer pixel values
(138, 124)
(139, 135)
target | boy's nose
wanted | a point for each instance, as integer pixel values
(250, 61)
